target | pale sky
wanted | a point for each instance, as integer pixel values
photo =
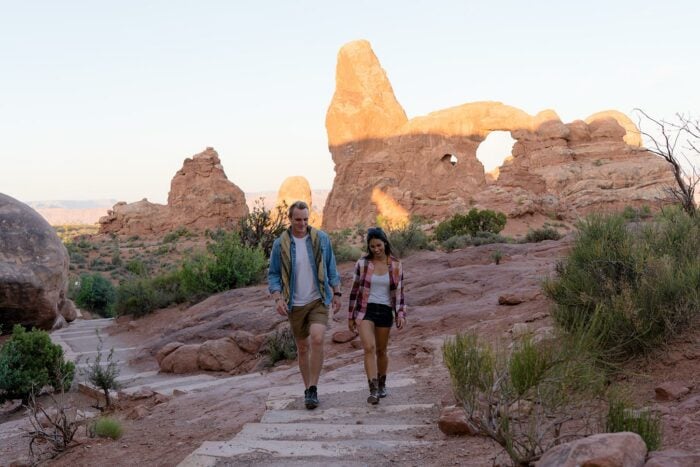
(103, 99)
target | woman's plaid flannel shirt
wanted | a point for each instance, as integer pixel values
(362, 280)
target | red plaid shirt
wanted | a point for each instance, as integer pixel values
(362, 280)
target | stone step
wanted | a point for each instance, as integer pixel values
(379, 412)
(324, 431)
(221, 453)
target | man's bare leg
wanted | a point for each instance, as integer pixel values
(315, 359)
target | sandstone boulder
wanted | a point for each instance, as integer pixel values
(201, 197)
(601, 450)
(453, 421)
(33, 270)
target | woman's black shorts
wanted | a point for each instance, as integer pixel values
(380, 315)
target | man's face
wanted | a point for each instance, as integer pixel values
(300, 221)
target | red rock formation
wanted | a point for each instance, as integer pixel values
(297, 189)
(427, 166)
(201, 197)
(33, 270)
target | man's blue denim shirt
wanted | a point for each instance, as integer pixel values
(274, 280)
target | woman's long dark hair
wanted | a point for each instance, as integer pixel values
(376, 232)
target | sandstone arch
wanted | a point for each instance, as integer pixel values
(554, 167)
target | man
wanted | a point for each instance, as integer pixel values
(303, 281)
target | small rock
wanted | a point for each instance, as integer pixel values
(453, 421)
(509, 300)
(669, 391)
(341, 337)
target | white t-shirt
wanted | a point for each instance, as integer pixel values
(379, 289)
(305, 288)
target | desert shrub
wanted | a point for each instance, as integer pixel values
(280, 346)
(479, 238)
(116, 258)
(542, 234)
(629, 289)
(141, 296)
(95, 293)
(408, 238)
(529, 399)
(137, 267)
(175, 235)
(261, 227)
(497, 256)
(225, 265)
(235, 265)
(635, 214)
(471, 223)
(342, 248)
(102, 376)
(108, 427)
(621, 417)
(30, 361)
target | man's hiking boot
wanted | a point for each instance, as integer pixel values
(381, 387)
(373, 392)
(311, 397)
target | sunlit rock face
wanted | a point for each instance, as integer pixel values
(427, 166)
(201, 197)
(295, 189)
(33, 270)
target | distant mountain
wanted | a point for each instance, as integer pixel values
(72, 212)
(73, 204)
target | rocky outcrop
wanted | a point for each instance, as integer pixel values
(201, 197)
(233, 354)
(294, 189)
(33, 270)
(386, 164)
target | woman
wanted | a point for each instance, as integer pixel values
(375, 299)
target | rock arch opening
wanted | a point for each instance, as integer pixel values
(494, 150)
(449, 159)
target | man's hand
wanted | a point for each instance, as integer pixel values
(336, 303)
(352, 326)
(281, 307)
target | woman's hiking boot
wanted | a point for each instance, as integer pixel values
(381, 386)
(373, 391)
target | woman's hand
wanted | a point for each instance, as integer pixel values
(352, 326)
(400, 322)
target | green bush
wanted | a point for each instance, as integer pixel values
(230, 264)
(408, 238)
(280, 346)
(174, 235)
(137, 267)
(341, 247)
(471, 223)
(261, 227)
(29, 361)
(628, 290)
(621, 417)
(96, 294)
(542, 234)
(108, 427)
(479, 238)
(226, 265)
(529, 399)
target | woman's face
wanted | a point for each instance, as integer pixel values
(376, 246)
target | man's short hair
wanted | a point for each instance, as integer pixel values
(297, 205)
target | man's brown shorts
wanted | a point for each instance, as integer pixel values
(301, 318)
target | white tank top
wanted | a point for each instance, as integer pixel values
(379, 290)
(305, 289)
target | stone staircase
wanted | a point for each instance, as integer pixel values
(80, 341)
(344, 430)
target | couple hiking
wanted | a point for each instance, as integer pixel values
(304, 283)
